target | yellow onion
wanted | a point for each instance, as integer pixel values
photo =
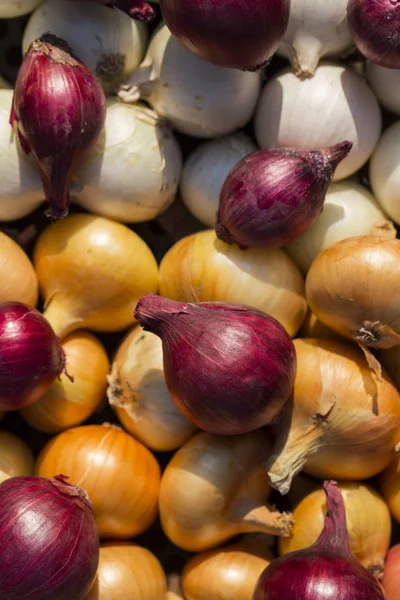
(201, 268)
(390, 486)
(344, 422)
(91, 272)
(314, 328)
(68, 402)
(140, 396)
(16, 458)
(216, 487)
(18, 281)
(367, 518)
(230, 572)
(390, 360)
(128, 572)
(120, 475)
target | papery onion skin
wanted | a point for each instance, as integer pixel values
(272, 196)
(240, 34)
(374, 26)
(229, 368)
(391, 574)
(51, 541)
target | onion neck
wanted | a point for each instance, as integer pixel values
(334, 534)
(263, 519)
(154, 311)
(62, 319)
(305, 54)
(60, 482)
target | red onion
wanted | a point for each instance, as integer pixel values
(272, 196)
(30, 356)
(229, 368)
(60, 111)
(48, 539)
(391, 574)
(375, 26)
(240, 34)
(326, 570)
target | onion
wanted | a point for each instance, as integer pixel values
(108, 42)
(140, 396)
(239, 34)
(390, 486)
(349, 210)
(316, 28)
(48, 529)
(205, 171)
(137, 9)
(384, 171)
(391, 577)
(120, 475)
(368, 523)
(229, 368)
(386, 86)
(91, 271)
(174, 591)
(70, 402)
(9, 9)
(18, 281)
(199, 99)
(335, 105)
(390, 360)
(214, 488)
(325, 570)
(16, 458)
(313, 328)
(272, 196)
(133, 173)
(345, 422)
(201, 268)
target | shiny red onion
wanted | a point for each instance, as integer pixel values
(60, 109)
(326, 570)
(240, 34)
(31, 356)
(375, 28)
(229, 368)
(391, 574)
(272, 196)
(48, 539)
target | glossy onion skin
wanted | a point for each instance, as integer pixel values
(240, 34)
(48, 539)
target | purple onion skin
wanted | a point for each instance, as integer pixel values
(229, 368)
(48, 539)
(375, 28)
(325, 571)
(272, 196)
(240, 34)
(31, 356)
(60, 110)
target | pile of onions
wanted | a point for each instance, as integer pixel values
(133, 173)
(391, 575)
(349, 210)
(386, 85)
(198, 98)
(18, 281)
(368, 524)
(16, 458)
(384, 171)
(345, 421)
(316, 28)
(72, 398)
(216, 487)
(120, 475)
(91, 272)
(201, 268)
(334, 105)
(9, 9)
(108, 42)
(138, 392)
(390, 486)
(205, 171)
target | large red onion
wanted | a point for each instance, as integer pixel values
(229, 368)
(375, 28)
(326, 570)
(48, 539)
(60, 109)
(272, 196)
(241, 34)
(391, 574)
(31, 356)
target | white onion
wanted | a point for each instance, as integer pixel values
(386, 85)
(316, 28)
(200, 99)
(334, 105)
(384, 172)
(349, 210)
(133, 173)
(9, 9)
(109, 42)
(205, 171)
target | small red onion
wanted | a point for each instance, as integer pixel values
(375, 28)
(326, 570)
(48, 539)
(229, 368)
(31, 356)
(60, 110)
(272, 196)
(391, 574)
(240, 34)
